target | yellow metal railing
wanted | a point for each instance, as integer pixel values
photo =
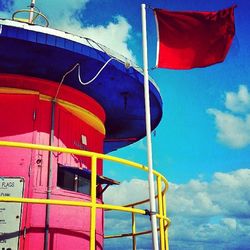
(164, 222)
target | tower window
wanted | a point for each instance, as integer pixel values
(68, 178)
(78, 180)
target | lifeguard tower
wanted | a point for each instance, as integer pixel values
(65, 102)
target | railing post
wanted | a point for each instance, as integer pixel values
(160, 208)
(133, 230)
(93, 201)
(165, 223)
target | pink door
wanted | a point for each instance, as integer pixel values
(17, 123)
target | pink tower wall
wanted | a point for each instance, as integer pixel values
(27, 118)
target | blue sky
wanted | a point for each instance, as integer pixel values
(202, 144)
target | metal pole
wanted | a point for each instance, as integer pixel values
(32, 5)
(49, 183)
(148, 131)
(133, 230)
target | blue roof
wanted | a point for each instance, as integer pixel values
(48, 54)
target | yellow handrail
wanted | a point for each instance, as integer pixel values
(133, 230)
(164, 222)
(93, 201)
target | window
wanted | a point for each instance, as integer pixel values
(68, 178)
(78, 180)
(83, 185)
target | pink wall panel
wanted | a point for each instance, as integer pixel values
(27, 118)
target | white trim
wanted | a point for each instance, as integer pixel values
(45, 30)
(158, 40)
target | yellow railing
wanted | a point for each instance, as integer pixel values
(161, 194)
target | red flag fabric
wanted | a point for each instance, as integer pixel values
(193, 39)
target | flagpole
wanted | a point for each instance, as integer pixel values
(148, 132)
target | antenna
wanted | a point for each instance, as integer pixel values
(33, 15)
(32, 6)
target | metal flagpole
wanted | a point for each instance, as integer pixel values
(148, 131)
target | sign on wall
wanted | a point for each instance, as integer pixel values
(10, 213)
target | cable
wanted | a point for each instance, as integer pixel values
(79, 74)
(97, 74)
(69, 71)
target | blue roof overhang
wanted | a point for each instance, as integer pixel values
(119, 90)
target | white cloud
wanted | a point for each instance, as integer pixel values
(193, 199)
(231, 223)
(203, 214)
(232, 192)
(234, 125)
(238, 102)
(127, 192)
(233, 130)
(54, 10)
(115, 35)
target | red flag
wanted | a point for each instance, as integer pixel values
(192, 39)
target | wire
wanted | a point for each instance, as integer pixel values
(79, 75)
(68, 72)
(97, 74)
